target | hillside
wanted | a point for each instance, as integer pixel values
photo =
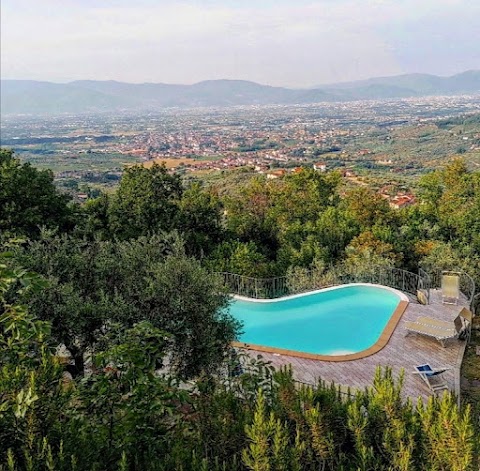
(22, 96)
(412, 84)
(32, 97)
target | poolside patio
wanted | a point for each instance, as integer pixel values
(401, 352)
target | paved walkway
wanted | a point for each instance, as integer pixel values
(400, 352)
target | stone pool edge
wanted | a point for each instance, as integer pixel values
(375, 348)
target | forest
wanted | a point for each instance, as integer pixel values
(145, 379)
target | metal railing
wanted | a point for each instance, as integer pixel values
(402, 280)
(270, 288)
(257, 288)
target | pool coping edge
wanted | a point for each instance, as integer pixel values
(399, 293)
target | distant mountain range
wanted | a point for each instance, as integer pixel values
(32, 97)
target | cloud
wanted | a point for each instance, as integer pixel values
(282, 43)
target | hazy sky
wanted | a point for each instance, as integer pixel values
(292, 43)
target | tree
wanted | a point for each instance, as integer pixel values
(95, 283)
(125, 405)
(366, 255)
(451, 198)
(200, 220)
(248, 215)
(278, 215)
(188, 303)
(367, 242)
(146, 201)
(31, 392)
(305, 194)
(335, 228)
(367, 207)
(242, 258)
(29, 199)
(96, 218)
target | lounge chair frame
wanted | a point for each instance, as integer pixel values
(442, 330)
(432, 377)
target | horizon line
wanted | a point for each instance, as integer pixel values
(71, 81)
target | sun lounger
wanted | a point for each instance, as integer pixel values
(450, 287)
(432, 377)
(461, 323)
(430, 331)
(442, 330)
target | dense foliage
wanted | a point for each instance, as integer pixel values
(300, 221)
(125, 284)
(124, 415)
(265, 227)
(93, 284)
(28, 198)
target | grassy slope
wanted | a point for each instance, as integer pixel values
(471, 368)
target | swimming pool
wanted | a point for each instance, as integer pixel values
(336, 322)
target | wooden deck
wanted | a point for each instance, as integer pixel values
(401, 352)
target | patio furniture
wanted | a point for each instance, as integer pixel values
(450, 287)
(442, 330)
(462, 323)
(432, 377)
(467, 317)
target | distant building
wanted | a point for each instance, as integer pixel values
(402, 201)
(276, 174)
(261, 168)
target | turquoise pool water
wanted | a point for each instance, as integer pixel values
(338, 321)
